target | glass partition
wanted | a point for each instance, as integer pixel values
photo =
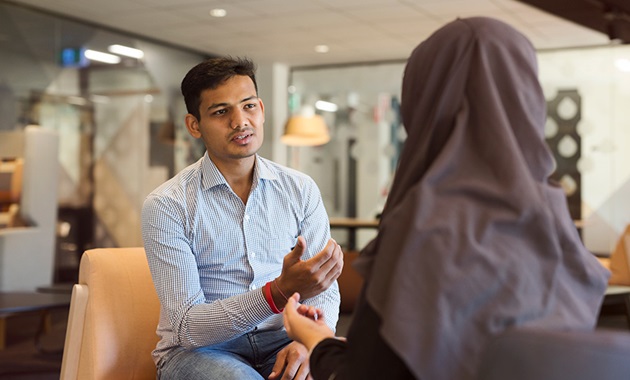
(117, 121)
(587, 93)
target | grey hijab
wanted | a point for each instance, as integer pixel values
(473, 239)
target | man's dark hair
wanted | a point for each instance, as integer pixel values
(211, 73)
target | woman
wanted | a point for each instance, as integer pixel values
(473, 239)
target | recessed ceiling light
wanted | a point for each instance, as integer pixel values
(322, 48)
(218, 12)
(326, 106)
(126, 51)
(100, 56)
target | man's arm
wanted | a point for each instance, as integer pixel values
(322, 253)
(194, 322)
(312, 277)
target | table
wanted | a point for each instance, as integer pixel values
(12, 303)
(352, 224)
(617, 296)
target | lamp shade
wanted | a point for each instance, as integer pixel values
(305, 131)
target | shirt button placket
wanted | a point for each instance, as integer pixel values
(251, 255)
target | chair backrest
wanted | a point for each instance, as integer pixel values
(535, 354)
(113, 318)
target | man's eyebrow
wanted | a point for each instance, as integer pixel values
(217, 105)
(249, 98)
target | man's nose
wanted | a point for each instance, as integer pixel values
(239, 120)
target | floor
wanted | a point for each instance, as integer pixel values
(22, 360)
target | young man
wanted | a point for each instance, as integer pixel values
(230, 236)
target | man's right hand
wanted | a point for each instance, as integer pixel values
(313, 276)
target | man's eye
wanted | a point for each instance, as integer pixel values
(250, 105)
(220, 112)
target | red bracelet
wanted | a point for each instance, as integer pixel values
(269, 298)
(280, 290)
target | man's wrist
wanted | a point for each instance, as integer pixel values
(270, 299)
(277, 289)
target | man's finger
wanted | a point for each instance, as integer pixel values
(323, 256)
(291, 370)
(303, 371)
(279, 364)
(296, 254)
(332, 274)
(335, 259)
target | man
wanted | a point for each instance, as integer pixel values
(230, 236)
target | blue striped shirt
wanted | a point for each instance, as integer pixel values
(210, 254)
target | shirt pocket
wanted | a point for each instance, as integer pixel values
(274, 250)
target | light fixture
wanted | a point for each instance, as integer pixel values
(322, 48)
(100, 56)
(218, 12)
(305, 129)
(323, 105)
(623, 64)
(126, 51)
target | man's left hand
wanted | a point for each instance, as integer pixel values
(293, 360)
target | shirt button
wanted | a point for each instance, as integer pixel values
(253, 254)
(246, 217)
(253, 287)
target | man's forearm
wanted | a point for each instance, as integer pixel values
(211, 323)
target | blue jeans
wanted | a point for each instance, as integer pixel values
(250, 356)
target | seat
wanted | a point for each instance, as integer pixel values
(535, 354)
(114, 314)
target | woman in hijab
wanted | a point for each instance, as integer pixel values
(474, 239)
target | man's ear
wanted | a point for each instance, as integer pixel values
(192, 124)
(262, 107)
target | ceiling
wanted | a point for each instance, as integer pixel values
(287, 31)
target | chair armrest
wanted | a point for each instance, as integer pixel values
(74, 333)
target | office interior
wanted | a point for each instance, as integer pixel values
(121, 134)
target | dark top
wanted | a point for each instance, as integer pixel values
(364, 356)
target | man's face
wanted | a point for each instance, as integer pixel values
(231, 123)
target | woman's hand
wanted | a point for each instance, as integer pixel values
(305, 324)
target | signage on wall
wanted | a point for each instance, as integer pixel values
(73, 57)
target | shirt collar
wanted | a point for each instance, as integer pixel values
(211, 176)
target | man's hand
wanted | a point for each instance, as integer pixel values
(310, 277)
(305, 324)
(293, 360)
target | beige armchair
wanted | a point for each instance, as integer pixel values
(113, 317)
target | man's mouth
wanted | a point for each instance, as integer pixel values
(242, 137)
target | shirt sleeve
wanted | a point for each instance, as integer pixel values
(316, 230)
(194, 322)
(327, 358)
